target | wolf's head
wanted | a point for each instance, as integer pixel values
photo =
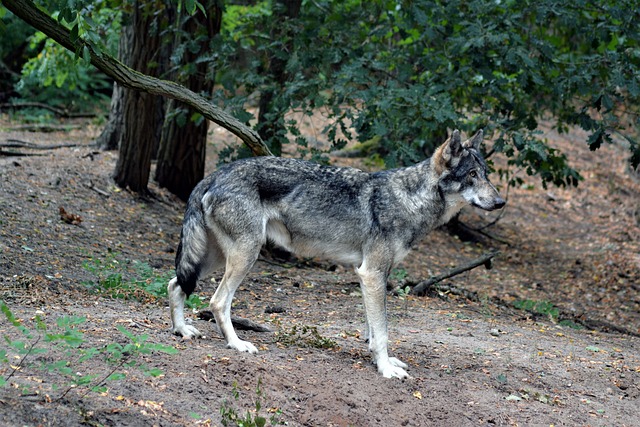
(463, 172)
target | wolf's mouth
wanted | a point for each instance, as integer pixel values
(497, 204)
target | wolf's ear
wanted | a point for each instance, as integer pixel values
(452, 148)
(474, 141)
(448, 154)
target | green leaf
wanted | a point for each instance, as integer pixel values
(190, 6)
(73, 35)
(595, 139)
(154, 372)
(116, 376)
(86, 54)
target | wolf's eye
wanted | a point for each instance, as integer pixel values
(473, 174)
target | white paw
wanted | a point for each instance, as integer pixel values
(398, 363)
(244, 346)
(391, 371)
(186, 331)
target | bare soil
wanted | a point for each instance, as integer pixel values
(475, 358)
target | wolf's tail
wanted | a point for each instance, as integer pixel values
(192, 249)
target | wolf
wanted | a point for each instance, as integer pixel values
(365, 220)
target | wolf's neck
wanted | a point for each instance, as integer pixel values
(419, 178)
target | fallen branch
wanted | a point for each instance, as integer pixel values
(238, 322)
(57, 111)
(422, 287)
(97, 190)
(17, 154)
(34, 127)
(16, 143)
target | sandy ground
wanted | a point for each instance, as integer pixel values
(473, 362)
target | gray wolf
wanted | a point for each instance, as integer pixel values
(366, 220)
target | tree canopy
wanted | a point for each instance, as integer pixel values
(401, 73)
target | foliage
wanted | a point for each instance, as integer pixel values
(56, 77)
(61, 78)
(131, 280)
(230, 416)
(545, 308)
(538, 307)
(408, 71)
(68, 351)
(13, 33)
(404, 73)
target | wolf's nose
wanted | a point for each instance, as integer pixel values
(498, 203)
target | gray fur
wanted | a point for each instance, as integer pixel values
(367, 220)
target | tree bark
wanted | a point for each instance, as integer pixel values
(182, 151)
(139, 118)
(125, 76)
(110, 136)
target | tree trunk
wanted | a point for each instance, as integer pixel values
(140, 120)
(110, 135)
(183, 146)
(271, 123)
(112, 132)
(126, 77)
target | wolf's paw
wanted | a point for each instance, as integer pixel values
(398, 363)
(391, 371)
(244, 346)
(186, 331)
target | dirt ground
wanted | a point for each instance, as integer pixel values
(477, 357)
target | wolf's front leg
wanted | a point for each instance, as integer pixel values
(239, 262)
(176, 306)
(373, 285)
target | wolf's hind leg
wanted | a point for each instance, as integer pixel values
(176, 306)
(240, 259)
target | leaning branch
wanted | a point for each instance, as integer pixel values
(131, 79)
(422, 287)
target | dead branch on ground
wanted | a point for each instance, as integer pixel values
(422, 287)
(16, 143)
(57, 111)
(238, 322)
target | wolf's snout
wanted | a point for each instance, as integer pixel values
(498, 203)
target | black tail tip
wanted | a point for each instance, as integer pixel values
(187, 282)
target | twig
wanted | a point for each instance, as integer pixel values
(238, 322)
(91, 186)
(485, 260)
(484, 233)
(16, 143)
(57, 111)
(43, 128)
(17, 154)
(118, 366)
(33, 344)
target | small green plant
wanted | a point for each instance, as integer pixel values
(252, 418)
(305, 336)
(132, 280)
(398, 274)
(403, 293)
(545, 308)
(67, 351)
